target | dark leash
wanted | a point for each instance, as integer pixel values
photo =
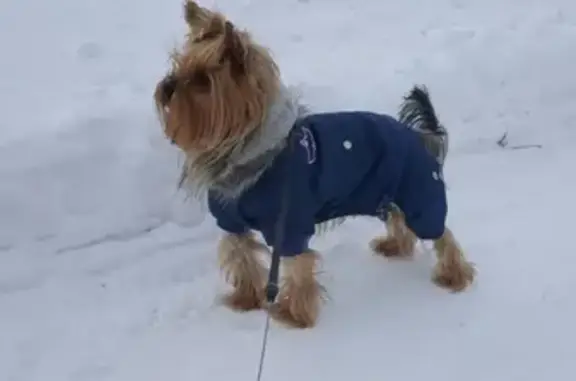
(272, 287)
(271, 293)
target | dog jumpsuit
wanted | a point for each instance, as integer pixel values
(336, 165)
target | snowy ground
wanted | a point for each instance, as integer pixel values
(107, 274)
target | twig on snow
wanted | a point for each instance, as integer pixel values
(503, 143)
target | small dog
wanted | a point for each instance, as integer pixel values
(252, 146)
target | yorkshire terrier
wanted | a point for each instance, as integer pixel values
(269, 165)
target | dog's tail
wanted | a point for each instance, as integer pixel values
(418, 114)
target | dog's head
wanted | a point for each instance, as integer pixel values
(219, 88)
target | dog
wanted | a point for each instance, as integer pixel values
(268, 165)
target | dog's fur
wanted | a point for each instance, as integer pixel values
(224, 106)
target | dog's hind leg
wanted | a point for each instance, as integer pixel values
(452, 270)
(241, 267)
(300, 294)
(400, 240)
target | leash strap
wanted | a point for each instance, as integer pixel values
(272, 288)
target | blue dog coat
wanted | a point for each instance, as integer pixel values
(336, 165)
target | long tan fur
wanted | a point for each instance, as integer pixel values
(301, 294)
(400, 240)
(242, 268)
(452, 270)
(218, 90)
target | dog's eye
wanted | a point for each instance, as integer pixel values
(201, 81)
(165, 90)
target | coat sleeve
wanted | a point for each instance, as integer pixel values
(291, 231)
(226, 215)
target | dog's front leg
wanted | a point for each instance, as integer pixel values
(452, 270)
(300, 294)
(243, 270)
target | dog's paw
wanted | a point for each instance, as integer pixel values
(455, 278)
(242, 301)
(283, 315)
(298, 306)
(389, 247)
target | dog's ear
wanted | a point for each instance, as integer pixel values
(194, 14)
(164, 91)
(234, 49)
(212, 28)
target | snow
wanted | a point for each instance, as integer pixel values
(108, 273)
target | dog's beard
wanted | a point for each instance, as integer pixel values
(229, 174)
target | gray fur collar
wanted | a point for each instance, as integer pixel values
(243, 166)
